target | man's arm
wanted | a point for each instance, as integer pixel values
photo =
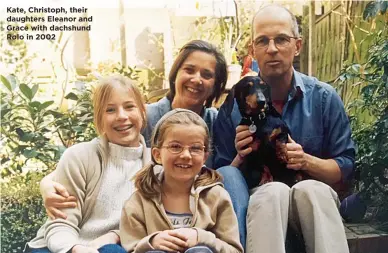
(338, 152)
(224, 131)
(326, 170)
(338, 143)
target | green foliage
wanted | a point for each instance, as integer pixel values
(25, 127)
(109, 68)
(76, 124)
(228, 33)
(369, 119)
(375, 7)
(35, 131)
(22, 211)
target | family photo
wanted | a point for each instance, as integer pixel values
(194, 126)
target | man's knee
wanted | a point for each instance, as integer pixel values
(312, 189)
(273, 192)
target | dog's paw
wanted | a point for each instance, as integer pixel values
(281, 151)
(275, 133)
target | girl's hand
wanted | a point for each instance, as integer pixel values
(191, 234)
(56, 197)
(83, 249)
(108, 238)
(169, 240)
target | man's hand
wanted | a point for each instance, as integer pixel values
(191, 234)
(169, 240)
(241, 142)
(55, 197)
(295, 155)
(83, 249)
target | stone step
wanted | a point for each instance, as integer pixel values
(363, 238)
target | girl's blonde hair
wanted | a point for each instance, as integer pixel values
(145, 180)
(103, 93)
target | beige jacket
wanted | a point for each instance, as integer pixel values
(213, 218)
(80, 170)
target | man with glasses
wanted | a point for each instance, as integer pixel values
(320, 144)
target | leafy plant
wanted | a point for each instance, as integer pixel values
(369, 118)
(109, 68)
(76, 124)
(229, 32)
(26, 125)
(35, 130)
(22, 211)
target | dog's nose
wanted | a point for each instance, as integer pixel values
(261, 103)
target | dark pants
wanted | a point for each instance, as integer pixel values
(109, 248)
(195, 249)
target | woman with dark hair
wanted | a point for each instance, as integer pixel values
(197, 79)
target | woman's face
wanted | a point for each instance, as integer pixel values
(122, 121)
(195, 80)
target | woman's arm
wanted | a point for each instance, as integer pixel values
(55, 197)
(72, 170)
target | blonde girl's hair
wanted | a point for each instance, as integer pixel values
(145, 180)
(103, 93)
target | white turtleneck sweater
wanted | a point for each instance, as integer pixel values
(116, 188)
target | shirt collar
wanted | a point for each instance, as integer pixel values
(297, 86)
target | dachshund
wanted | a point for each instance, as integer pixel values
(253, 97)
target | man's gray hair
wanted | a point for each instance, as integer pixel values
(294, 24)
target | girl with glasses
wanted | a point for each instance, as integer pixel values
(180, 205)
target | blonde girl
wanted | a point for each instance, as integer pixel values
(180, 206)
(98, 174)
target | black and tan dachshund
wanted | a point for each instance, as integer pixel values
(269, 153)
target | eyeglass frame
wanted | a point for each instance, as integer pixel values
(203, 150)
(276, 45)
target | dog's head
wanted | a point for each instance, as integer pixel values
(252, 94)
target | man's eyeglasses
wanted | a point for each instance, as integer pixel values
(280, 41)
(176, 148)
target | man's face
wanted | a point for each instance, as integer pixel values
(275, 30)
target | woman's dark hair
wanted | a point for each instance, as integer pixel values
(221, 68)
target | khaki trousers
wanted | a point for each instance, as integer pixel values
(310, 207)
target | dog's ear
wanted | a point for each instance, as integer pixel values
(272, 111)
(229, 101)
(266, 89)
(237, 92)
